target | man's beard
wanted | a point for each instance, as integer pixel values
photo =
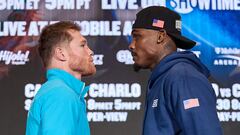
(136, 67)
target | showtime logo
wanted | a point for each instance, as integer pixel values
(186, 6)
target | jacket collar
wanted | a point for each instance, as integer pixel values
(75, 84)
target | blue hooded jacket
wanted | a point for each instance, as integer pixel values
(180, 100)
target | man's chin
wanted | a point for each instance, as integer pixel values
(89, 73)
(136, 67)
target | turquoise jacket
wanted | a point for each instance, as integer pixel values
(59, 107)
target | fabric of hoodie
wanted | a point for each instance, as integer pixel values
(59, 107)
(178, 78)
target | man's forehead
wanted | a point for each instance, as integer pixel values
(137, 30)
(75, 33)
(141, 31)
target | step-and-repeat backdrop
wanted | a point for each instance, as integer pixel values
(115, 101)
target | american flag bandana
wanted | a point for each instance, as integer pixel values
(190, 103)
(158, 23)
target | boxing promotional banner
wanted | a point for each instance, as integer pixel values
(115, 101)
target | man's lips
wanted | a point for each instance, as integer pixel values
(91, 59)
(134, 54)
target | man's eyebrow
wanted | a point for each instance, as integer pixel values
(134, 31)
(136, 34)
(84, 41)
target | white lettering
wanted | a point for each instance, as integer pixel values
(147, 3)
(95, 116)
(235, 104)
(223, 104)
(204, 4)
(119, 4)
(115, 90)
(27, 103)
(93, 105)
(227, 4)
(236, 90)
(116, 116)
(119, 105)
(100, 28)
(127, 28)
(19, 4)
(18, 58)
(107, 116)
(98, 59)
(229, 116)
(31, 89)
(67, 4)
(224, 116)
(124, 56)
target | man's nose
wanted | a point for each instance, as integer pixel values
(90, 51)
(132, 45)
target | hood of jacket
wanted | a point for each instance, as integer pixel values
(174, 58)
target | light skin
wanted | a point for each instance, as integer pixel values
(149, 47)
(74, 57)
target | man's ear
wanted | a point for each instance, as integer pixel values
(161, 36)
(60, 53)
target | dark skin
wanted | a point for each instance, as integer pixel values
(149, 47)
